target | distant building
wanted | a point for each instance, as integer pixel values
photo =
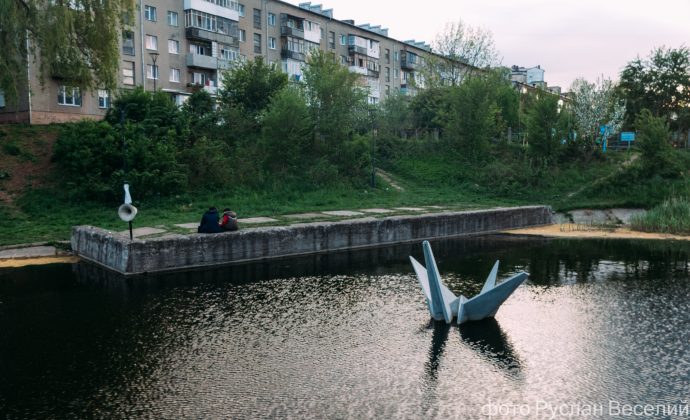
(532, 76)
(183, 45)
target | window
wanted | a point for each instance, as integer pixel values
(271, 19)
(228, 53)
(103, 98)
(174, 75)
(388, 90)
(68, 95)
(271, 43)
(151, 71)
(257, 18)
(240, 8)
(209, 22)
(388, 74)
(173, 46)
(243, 35)
(151, 42)
(396, 73)
(344, 60)
(397, 58)
(172, 18)
(127, 42)
(257, 43)
(150, 13)
(199, 78)
(331, 40)
(2, 99)
(343, 39)
(388, 56)
(128, 73)
(200, 49)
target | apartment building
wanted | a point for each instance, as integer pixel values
(179, 46)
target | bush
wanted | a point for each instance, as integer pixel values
(90, 159)
(654, 143)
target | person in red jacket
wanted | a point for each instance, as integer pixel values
(229, 220)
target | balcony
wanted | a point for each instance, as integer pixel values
(212, 90)
(293, 55)
(352, 49)
(201, 34)
(288, 31)
(358, 70)
(409, 61)
(213, 9)
(202, 61)
(373, 73)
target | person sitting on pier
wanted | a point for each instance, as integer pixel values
(209, 222)
(229, 220)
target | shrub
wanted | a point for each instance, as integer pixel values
(653, 141)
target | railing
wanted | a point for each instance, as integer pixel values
(288, 31)
(294, 55)
(357, 49)
(198, 33)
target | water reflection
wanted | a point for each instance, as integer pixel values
(488, 339)
(347, 335)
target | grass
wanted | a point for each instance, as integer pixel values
(671, 216)
(47, 216)
(429, 176)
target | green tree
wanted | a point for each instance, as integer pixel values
(286, 141)
(335, 98)
(543, 130)
(479, 110)
(250, 86)
(77, 41)
(653, 141)
(201, 115)
(660, 84)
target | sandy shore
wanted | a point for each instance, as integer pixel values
(583, 231)
(23, 262)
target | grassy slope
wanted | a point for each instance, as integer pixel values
(39, 214)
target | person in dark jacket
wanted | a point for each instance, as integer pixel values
(229, 220)
(209, 222)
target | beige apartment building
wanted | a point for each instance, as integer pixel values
(179, 46)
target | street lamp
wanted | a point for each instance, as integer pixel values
(154, 71)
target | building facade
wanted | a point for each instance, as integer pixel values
(179, 46)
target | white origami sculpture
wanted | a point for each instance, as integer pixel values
(443, 304)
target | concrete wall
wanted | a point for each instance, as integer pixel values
(140, 256)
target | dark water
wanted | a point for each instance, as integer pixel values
(348, 336)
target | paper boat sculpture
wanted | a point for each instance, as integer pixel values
(444, 305)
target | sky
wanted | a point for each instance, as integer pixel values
(568, 38)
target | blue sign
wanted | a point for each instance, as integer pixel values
(628, 136)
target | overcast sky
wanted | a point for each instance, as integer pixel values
(568, 38)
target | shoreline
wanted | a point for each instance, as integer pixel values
(575, 231)
(567, 230)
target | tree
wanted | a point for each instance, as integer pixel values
(466, 48)
(251, 86)
(654, 144)
(660, 84)
(334, 96)
(472, 115)
(77, 41)
(595, 105)
(286, 141)
(543, 128)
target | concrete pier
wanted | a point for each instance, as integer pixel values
(138, 256)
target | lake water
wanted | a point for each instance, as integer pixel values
(598, 325)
